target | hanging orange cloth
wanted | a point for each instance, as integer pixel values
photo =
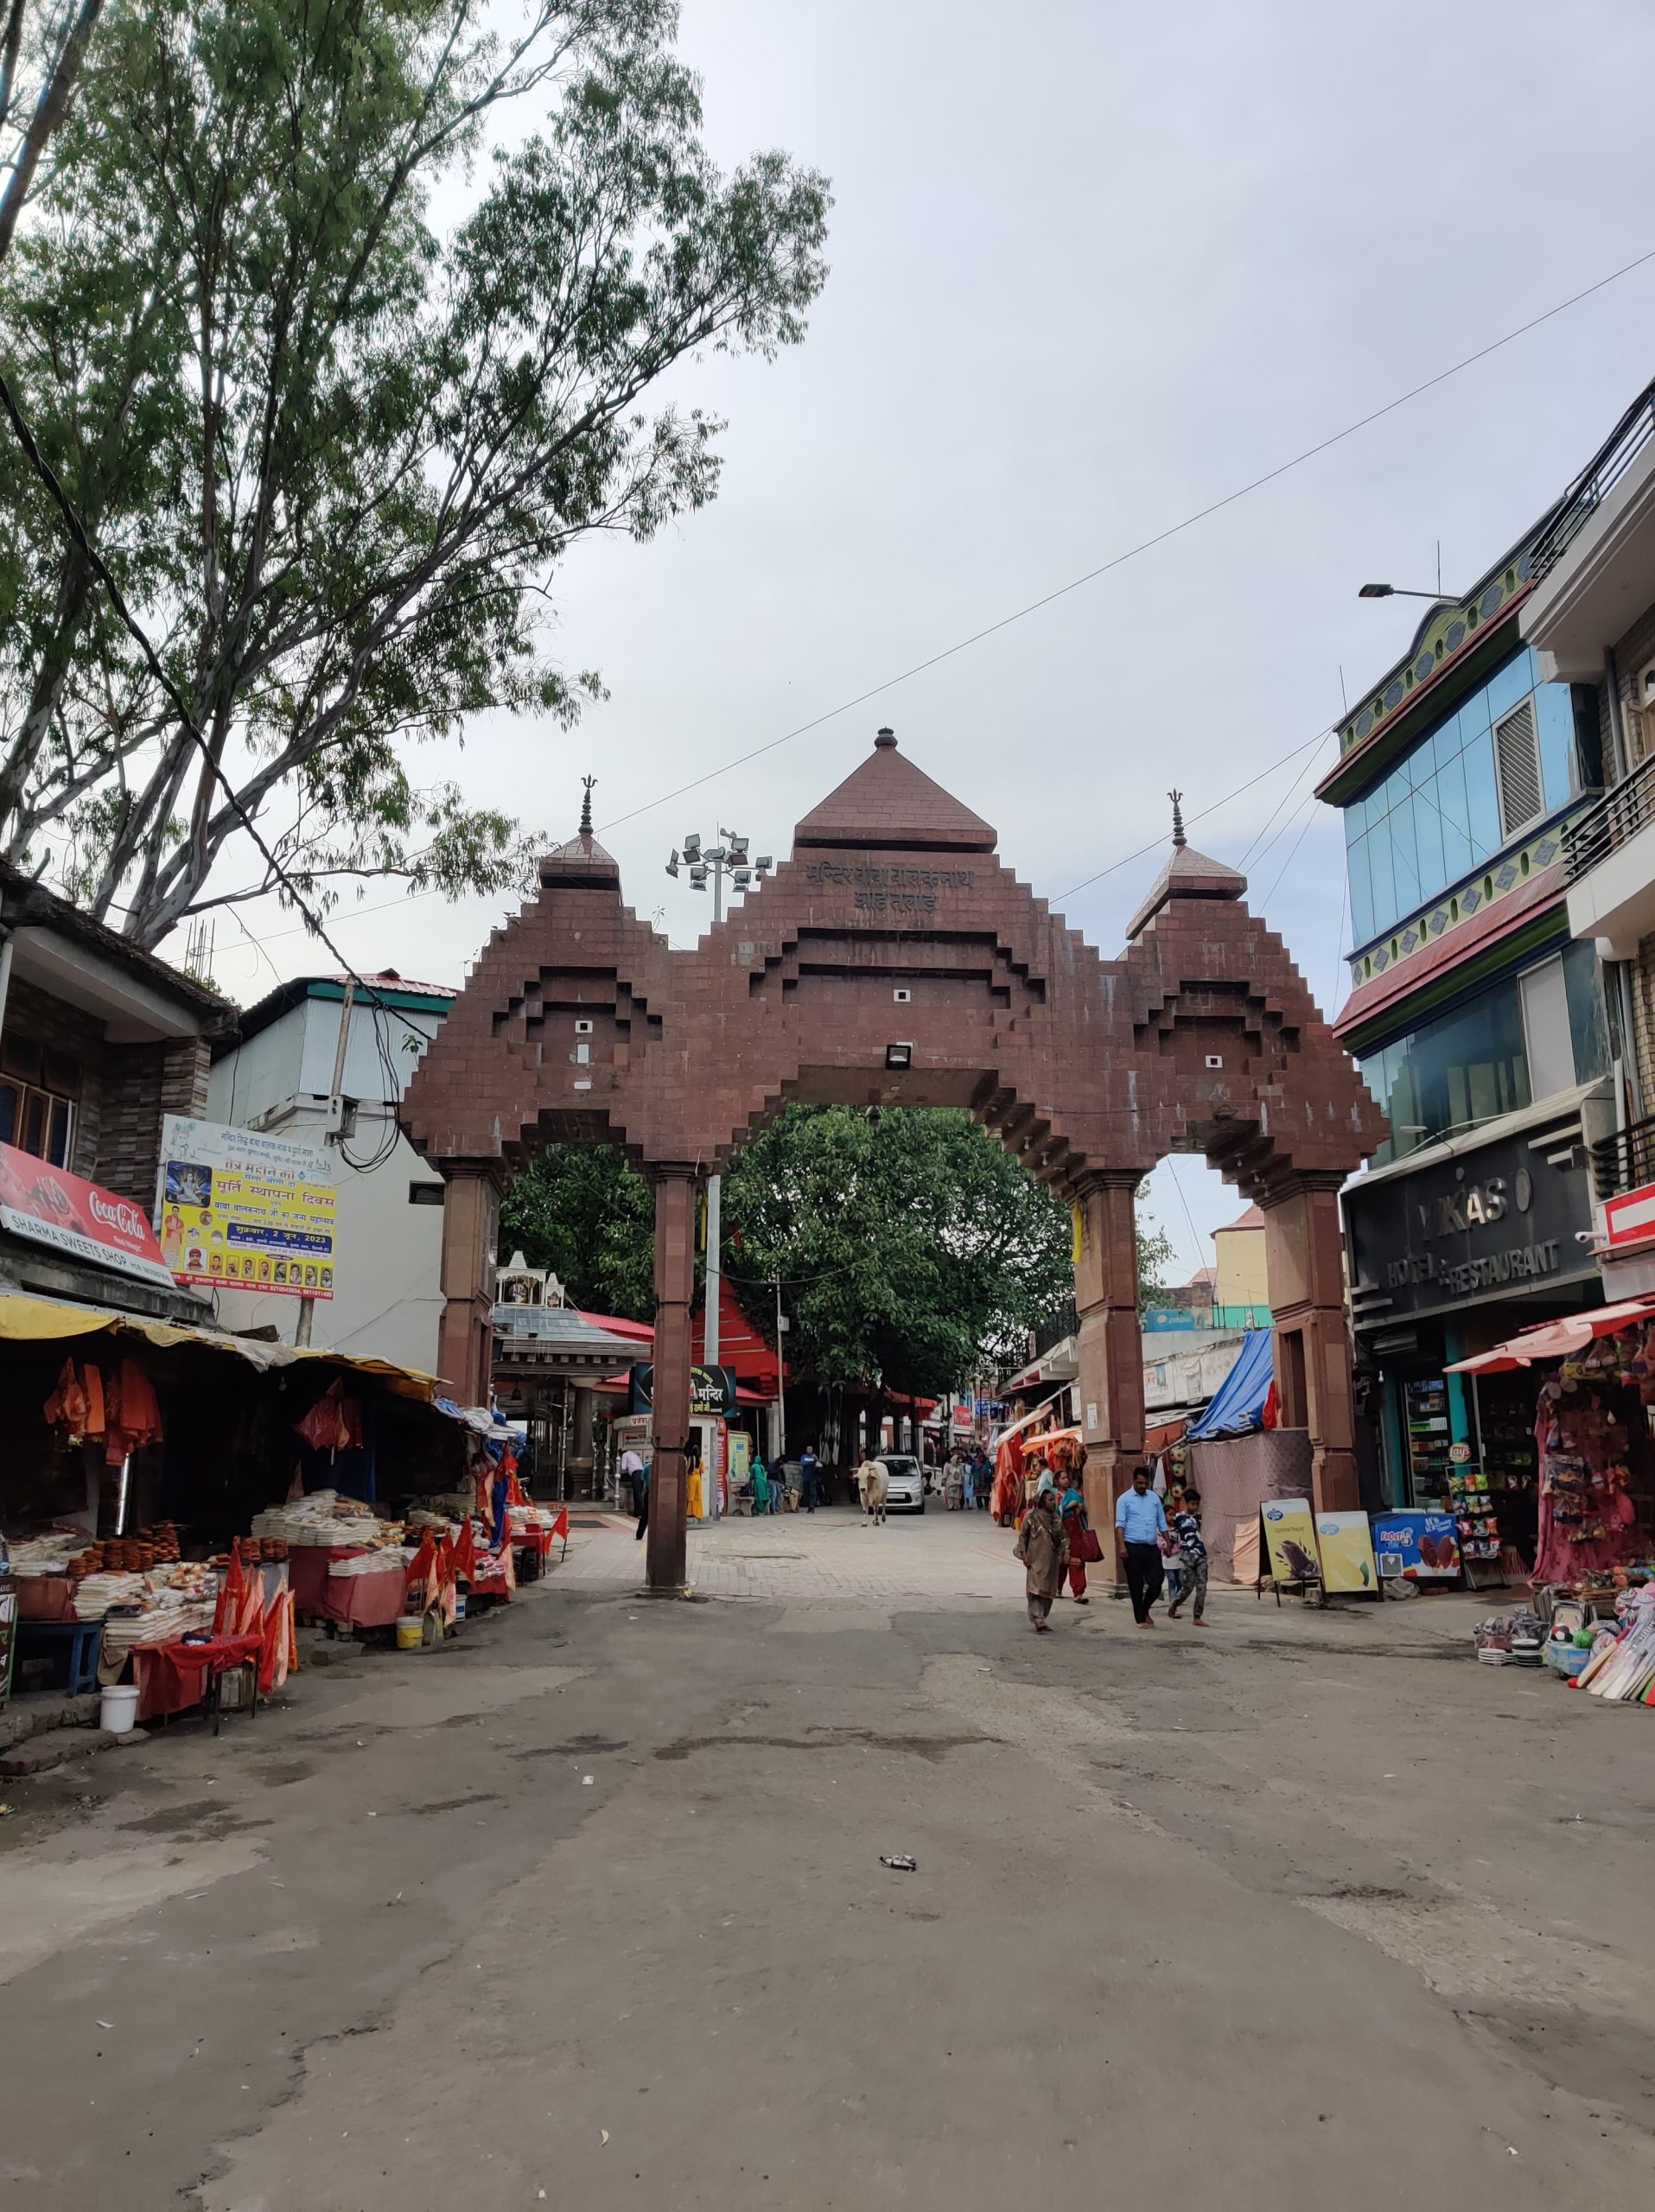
(94, 1386)
(228, 1611)
(134, 1418)
(67, 1407)
(320, 1427)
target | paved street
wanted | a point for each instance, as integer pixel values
(1309, 1910)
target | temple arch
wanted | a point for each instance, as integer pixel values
(894, 957)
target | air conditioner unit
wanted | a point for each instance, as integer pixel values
(1640, 716)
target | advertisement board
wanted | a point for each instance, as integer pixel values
(1420, 1546)
(712, 1389)
(243, 1210)
(81, 1220)
(1475, 1223)
(1346, 1543)
(1290, 1539)
(1629, 1219)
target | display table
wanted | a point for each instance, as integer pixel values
(540, 1540)
(349, 1600)
(72, 1647)
(172, 1677)
(364, 1601)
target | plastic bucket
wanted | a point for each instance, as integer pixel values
(118, 1713)
(459, 1604)
(411, 1632)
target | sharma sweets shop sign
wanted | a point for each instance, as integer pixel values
(1484, 1224)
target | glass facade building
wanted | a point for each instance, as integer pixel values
(1437, 815)
(1521, 1039)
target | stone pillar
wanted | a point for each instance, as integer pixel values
(1304, 1252)
(675, 1283)
(581, 1460)
(1109, 1345)
(465, 1335)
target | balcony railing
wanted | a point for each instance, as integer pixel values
(1624, 1161)
(1616, 818)
(1592, 485)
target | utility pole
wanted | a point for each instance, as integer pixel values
(781, 1386)
(307, 1305)
(729, 856)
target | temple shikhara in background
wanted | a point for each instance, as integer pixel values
(894, 960)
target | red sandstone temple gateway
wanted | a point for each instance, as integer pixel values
(892, 960)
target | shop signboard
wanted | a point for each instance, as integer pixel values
(77, 1219)
(712, 1389)
(1629, 1219)
(1467, 1226)
(1290, 1539)
(243, 1210)
(1416, 1547)
(1346, 1547)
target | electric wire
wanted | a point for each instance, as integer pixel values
(99, 568)
(1144, 545)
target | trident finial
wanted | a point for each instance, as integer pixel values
(586, 806)
(1178, 837)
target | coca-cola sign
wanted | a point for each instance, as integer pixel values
(81, 1220)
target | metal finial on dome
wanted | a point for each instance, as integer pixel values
(885, 740)
(586, 806)
(1177, 836)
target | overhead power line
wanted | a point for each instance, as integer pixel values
(1144, 545)
(95, 562)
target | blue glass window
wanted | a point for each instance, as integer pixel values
(1554, 707)
(1465, 1067)
(1434, 818)
(1427, 840)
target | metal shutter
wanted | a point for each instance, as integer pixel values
(1517, 766)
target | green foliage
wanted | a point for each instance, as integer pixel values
(1154, 1257)
(580, 1211)
(333, 451)
(907, 1246)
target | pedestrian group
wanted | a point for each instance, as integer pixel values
(1056, 1541)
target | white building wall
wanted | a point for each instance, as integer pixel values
(388, 1256)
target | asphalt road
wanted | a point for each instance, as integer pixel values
(1311, 1911)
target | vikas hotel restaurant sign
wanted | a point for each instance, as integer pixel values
(1482, 1224)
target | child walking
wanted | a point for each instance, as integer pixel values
(1186, 1528)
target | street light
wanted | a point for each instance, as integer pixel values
(716, 861)
(1400, 591)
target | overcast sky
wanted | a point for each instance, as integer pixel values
(1094, 266)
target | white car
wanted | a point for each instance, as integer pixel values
(905, 1484)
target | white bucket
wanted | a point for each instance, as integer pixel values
(118, 1713)
(409, 1633)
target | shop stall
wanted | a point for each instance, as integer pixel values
(1589, 1380)
(135, 1499)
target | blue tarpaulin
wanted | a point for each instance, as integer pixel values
(1238, 1404)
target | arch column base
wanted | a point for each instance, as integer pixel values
(1304, 1251)
(666, 1542)
(1109, 1349)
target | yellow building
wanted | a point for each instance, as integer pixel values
(1241, 1292)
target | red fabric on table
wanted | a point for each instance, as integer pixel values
(365, 1600)
(533, 1540)
(173, 1676)
(307, 1572)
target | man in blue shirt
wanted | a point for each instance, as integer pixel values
(1139, 1520)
